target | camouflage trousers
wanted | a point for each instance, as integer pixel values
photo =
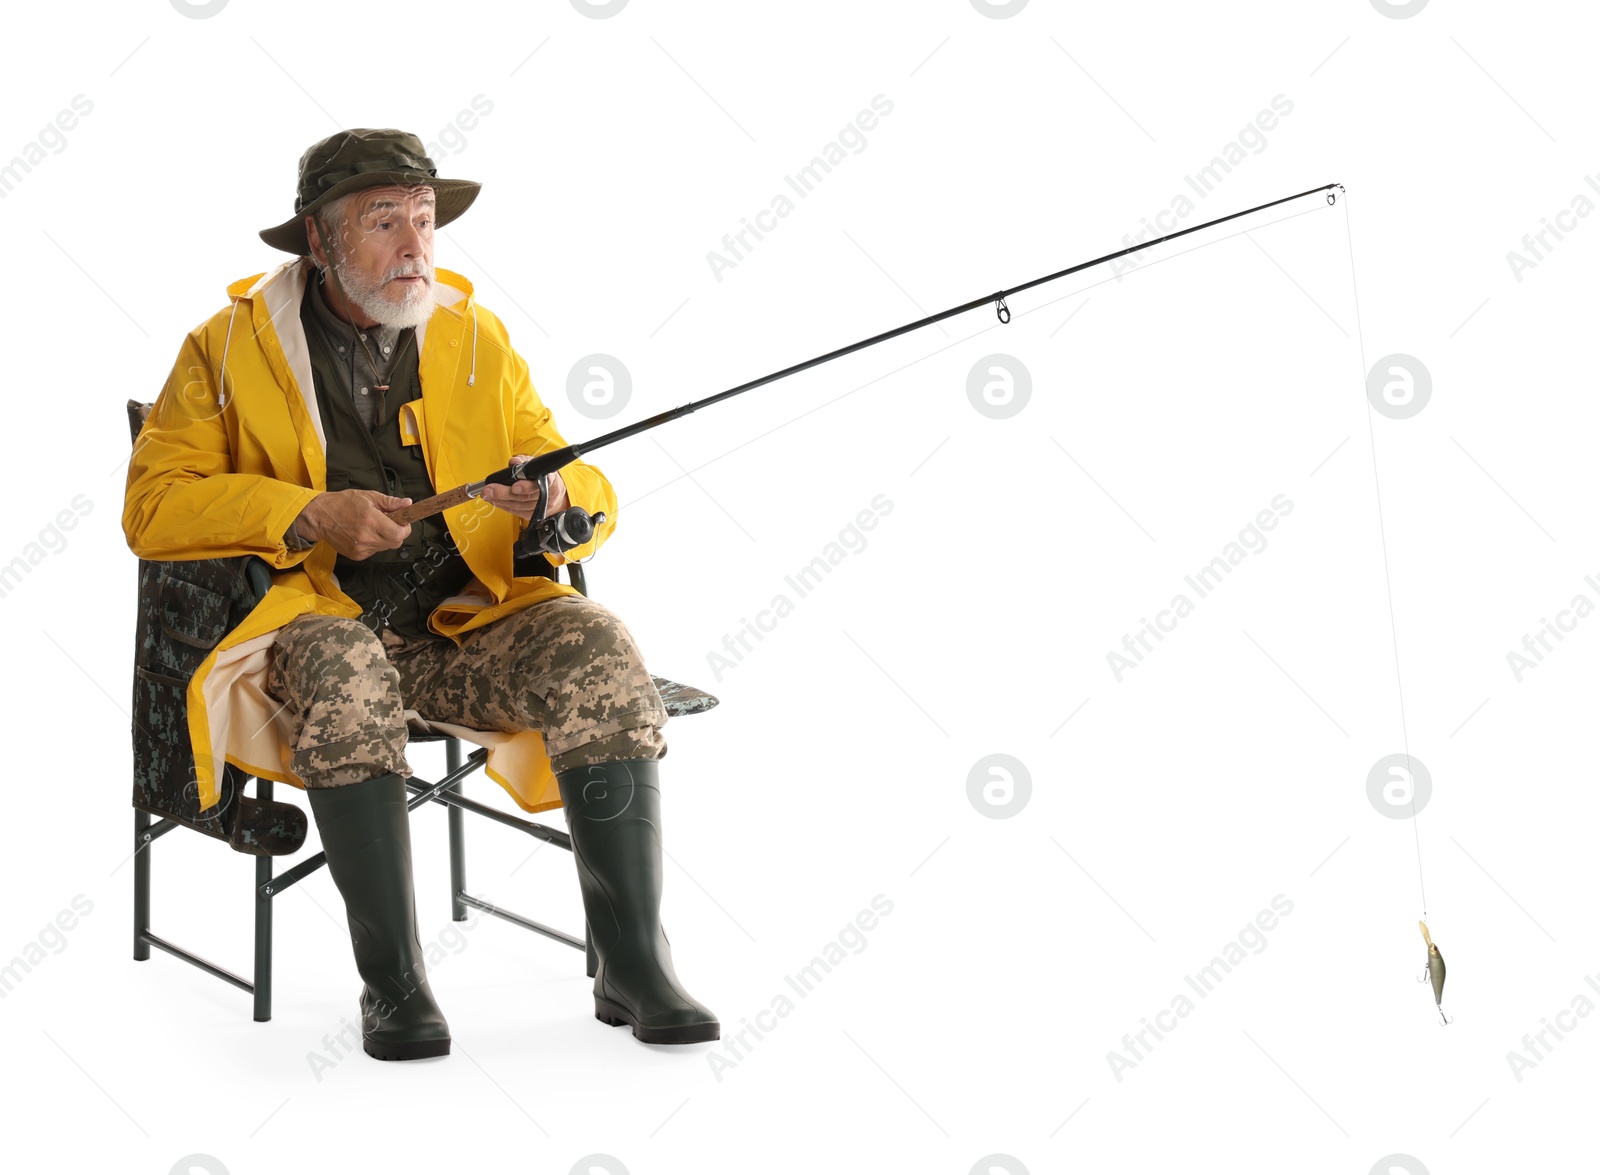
(567, 667)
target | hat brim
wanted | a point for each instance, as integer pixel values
(451, 198)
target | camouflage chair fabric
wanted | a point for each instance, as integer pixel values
(185, 608)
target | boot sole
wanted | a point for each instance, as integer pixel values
(613, 1014)
(409, 1050)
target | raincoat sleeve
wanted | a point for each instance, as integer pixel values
(185, 497)
(534, 432)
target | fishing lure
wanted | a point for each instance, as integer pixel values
(1434, 972)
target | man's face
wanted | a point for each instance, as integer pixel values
(383, 255)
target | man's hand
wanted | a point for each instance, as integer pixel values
(355, 522)
(521, 497)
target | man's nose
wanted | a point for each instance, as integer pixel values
(412, 245)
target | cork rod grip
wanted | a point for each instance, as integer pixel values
(431, 506)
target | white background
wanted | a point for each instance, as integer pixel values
(1228, 768)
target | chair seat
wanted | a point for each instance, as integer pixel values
(417, 734)
(683, 699)
(680, 700)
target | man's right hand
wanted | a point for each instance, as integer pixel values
(355, 522)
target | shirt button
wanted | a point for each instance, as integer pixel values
(405, 552)
(455, 342)
(386, 350)
(341, 348)
(363, 338)
(363, 391)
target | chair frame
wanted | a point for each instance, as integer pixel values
(447, 791)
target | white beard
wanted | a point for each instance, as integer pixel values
(371, 300)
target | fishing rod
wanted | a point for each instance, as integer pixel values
(574, 526)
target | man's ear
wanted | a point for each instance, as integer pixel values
(317, 252)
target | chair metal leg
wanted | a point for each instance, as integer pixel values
(458, 837)
(141, 885)
(263, 970)
(147, 830)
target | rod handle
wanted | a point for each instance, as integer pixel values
(428, 507)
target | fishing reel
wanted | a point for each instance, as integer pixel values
(558, 533)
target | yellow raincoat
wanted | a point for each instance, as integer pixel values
(233, 450)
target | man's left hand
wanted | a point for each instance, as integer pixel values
(521, 497)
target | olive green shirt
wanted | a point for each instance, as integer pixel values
(397, 589)
(383, 343)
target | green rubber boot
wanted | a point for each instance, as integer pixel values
(614, 813)
(366, 833)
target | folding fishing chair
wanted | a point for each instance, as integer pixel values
(151, 821)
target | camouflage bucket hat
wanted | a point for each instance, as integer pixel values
(347, 161)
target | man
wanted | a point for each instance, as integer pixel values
(362, 379)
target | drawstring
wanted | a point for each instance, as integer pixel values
(473, 374)
(222, 377)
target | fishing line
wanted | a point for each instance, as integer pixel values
(574, 526)
(1434, 969)
(1388, 581)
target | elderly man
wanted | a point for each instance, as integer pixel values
(359, 380)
